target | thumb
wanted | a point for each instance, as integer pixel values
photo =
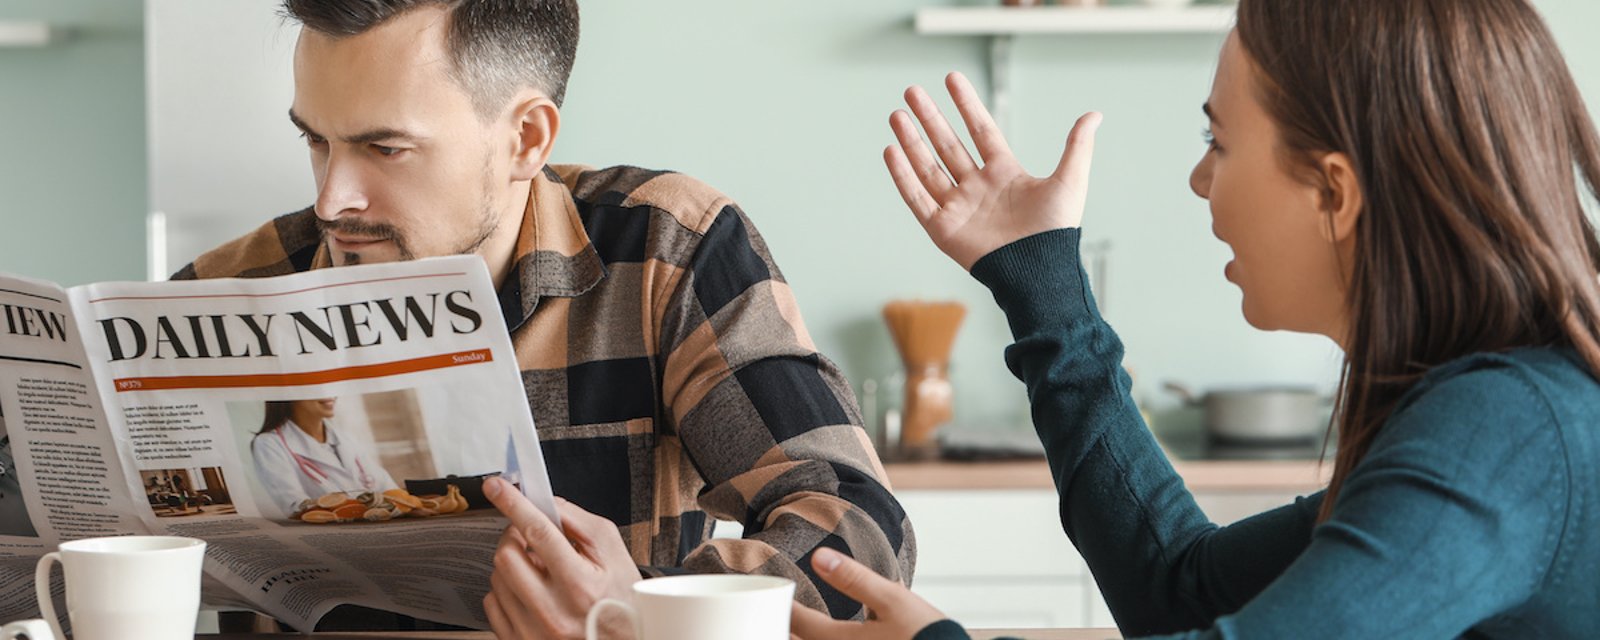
(1079, 154)
(856, 580)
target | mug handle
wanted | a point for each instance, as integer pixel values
(591, 626)
(41, 589)
(28, 630)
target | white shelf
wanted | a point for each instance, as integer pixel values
(26, 34)
(1002, 21)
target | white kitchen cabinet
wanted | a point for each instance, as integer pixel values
(999, 559)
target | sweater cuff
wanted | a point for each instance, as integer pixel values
(942, 630)
(1038, 280)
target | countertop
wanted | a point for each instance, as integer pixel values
(1204, 465)
(1200, 475)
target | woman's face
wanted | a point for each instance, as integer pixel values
(1276, 224)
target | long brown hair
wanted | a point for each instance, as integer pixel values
(276, 415)
(1470, 140)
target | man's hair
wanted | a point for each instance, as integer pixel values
(496, 46)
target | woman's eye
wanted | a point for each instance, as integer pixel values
(1211, 139)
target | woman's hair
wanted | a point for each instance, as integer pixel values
(1474, 151)
(276, 415)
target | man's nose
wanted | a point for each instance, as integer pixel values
(343, 189)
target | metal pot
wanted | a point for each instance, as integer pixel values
(1264, 414)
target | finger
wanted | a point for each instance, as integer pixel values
(928, 169)
(540, 534)
(591, 530)
(499, 623)
(810, 624)
(1079, 154)
(511, 503)
(513, 538)
(944, 138)
(986, 135)
(857, 581)
(523, 595)
(916, 197)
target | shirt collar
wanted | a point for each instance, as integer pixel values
(554, 255)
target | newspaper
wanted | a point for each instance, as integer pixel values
(326, 433)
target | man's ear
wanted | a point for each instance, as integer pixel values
(536, 120)
(1341, 199)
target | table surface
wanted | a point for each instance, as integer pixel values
(977, 634)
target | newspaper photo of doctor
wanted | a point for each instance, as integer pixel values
(14, 520)
(362, 458)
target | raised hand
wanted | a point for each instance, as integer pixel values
(970, 210)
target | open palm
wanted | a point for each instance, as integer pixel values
(970, 210)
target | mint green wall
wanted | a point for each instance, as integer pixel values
(72, 144)
(784, 106)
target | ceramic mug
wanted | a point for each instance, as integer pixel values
(28, 630)
(125, 588)
(704, 607)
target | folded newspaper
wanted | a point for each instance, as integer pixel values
(326, 433)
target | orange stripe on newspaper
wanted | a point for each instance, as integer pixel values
(362, 372)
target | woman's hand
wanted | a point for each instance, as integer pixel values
(897, 613)
(969, 210)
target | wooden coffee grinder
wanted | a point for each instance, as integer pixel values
(924, 333)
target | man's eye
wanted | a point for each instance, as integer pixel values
(311, 139)
(385, 151)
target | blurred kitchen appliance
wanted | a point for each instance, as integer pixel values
(1264, 415)
(924, 333)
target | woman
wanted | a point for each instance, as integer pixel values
(299, 456)
(1402, 177)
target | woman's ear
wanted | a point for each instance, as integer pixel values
(1341, 199)
(536, 120)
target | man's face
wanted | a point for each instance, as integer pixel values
(404, 166)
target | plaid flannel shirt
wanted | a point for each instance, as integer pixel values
(671, 379)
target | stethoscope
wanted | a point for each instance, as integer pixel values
(314, 470)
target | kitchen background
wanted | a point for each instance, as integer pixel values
(178, 107)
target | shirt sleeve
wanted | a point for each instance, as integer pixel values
(1447, 522)
(771, 426)
(275, 469)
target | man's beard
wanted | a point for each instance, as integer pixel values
(488, 223)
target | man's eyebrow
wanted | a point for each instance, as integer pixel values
(301, 124)
(379, 134)
(1210, 113)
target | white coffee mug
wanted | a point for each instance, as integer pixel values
(28, 630)
(704, 607)
(126, 588)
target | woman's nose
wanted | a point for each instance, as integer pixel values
(1200, 178)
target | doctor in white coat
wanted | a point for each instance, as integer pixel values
(299, 456)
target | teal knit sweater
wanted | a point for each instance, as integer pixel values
(1476, 511)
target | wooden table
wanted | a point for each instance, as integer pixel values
(977, 634)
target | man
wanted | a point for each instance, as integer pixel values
(668, 370)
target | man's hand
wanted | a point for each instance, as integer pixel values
(897, 613)
(970, 210)
(546, 578)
